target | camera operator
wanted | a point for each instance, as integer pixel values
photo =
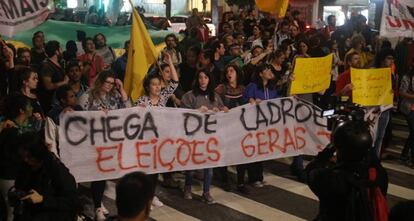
(44, 189)
(341, 182)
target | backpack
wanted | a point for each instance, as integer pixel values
(366, 201)
(379, 206)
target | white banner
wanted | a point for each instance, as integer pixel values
(20, 15)
(99, 146)
(397, 18)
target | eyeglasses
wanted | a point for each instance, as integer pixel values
(110, 82)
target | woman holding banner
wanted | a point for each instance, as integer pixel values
(107, 94)
(204, 98)
(156, 97)
(231, 92)
(262, 88)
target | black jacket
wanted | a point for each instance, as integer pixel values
(334, 185)
(9, 159)
(57, 186)
(9, 154)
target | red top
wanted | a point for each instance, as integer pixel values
(97, 64)
(343, 79)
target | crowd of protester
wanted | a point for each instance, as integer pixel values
(250, 60)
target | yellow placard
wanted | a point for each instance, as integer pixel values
(311, 75)
(371, 87)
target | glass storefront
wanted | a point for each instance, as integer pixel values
(344, 9)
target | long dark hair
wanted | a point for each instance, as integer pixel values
(12, 104)
(239, 74)
(24, 75)
(210, 87)
(276, 54)
(304, 41)
(382, 55)
(410, 71)
(271, 84)
(33, 143)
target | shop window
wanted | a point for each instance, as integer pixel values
(334, 10)
(72, 3)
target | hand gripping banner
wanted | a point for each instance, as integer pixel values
(96, 145)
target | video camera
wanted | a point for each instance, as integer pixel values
(340, 109)
(14, 198)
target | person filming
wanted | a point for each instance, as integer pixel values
(343, 182)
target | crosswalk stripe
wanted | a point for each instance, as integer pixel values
(290, 185)
(395, 147)
(392, 150)
(400, 134)
(286, 184)
(392, 166)
(393, 189)
(400, 121)
(398, 167)
(400, 191)
(164, 213)
(259, 209)
(247, 206)
(387, 165)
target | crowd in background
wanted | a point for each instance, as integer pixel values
(250, 60)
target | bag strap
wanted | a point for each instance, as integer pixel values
(372, 174)
(112, 52)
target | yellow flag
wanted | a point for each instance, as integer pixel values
(273, 6)
(311, 75)
(141, 55)
(371, 87)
